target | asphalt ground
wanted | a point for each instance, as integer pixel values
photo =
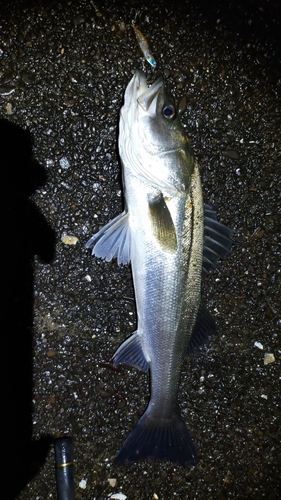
(63, 70)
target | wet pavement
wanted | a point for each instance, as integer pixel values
(63, 70)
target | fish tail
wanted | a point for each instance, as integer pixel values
(168, 440)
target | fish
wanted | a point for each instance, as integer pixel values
(144, 46)
(172, 240)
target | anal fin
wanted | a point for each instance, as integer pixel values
(131, 353)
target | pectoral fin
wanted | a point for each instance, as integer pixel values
(162, 224)
(113, 240)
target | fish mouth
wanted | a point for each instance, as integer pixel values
(139, 93)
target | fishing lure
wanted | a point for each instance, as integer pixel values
(143, 44)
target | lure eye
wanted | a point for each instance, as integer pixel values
(169, 112)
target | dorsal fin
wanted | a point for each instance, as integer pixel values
(217, 242)
(204, 327)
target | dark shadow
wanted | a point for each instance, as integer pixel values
(25, 233)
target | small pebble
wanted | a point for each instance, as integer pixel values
(64, 163)
(231, 154)
(258, 233)
(78, 20)
(51, 353)
(245, 197)
(112, 481)
(72, 78)
(84, 122)
(268, 358)
(69, 101)
(69, 240)
(27, 78)
(83, 484)
(259, 345)
(182, 104)
(9, 108)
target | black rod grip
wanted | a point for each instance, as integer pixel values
(64, 468)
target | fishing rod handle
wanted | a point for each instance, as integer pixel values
(64, 468)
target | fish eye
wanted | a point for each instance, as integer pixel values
(169, 112)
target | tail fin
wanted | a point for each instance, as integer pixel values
(167, 440)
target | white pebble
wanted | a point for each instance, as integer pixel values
(64, 163)
(83, 484)
(259, 345)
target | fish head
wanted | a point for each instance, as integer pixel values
(152, 140)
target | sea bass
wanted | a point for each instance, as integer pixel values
(170, 238)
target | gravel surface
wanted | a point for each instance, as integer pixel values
(63, 70)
